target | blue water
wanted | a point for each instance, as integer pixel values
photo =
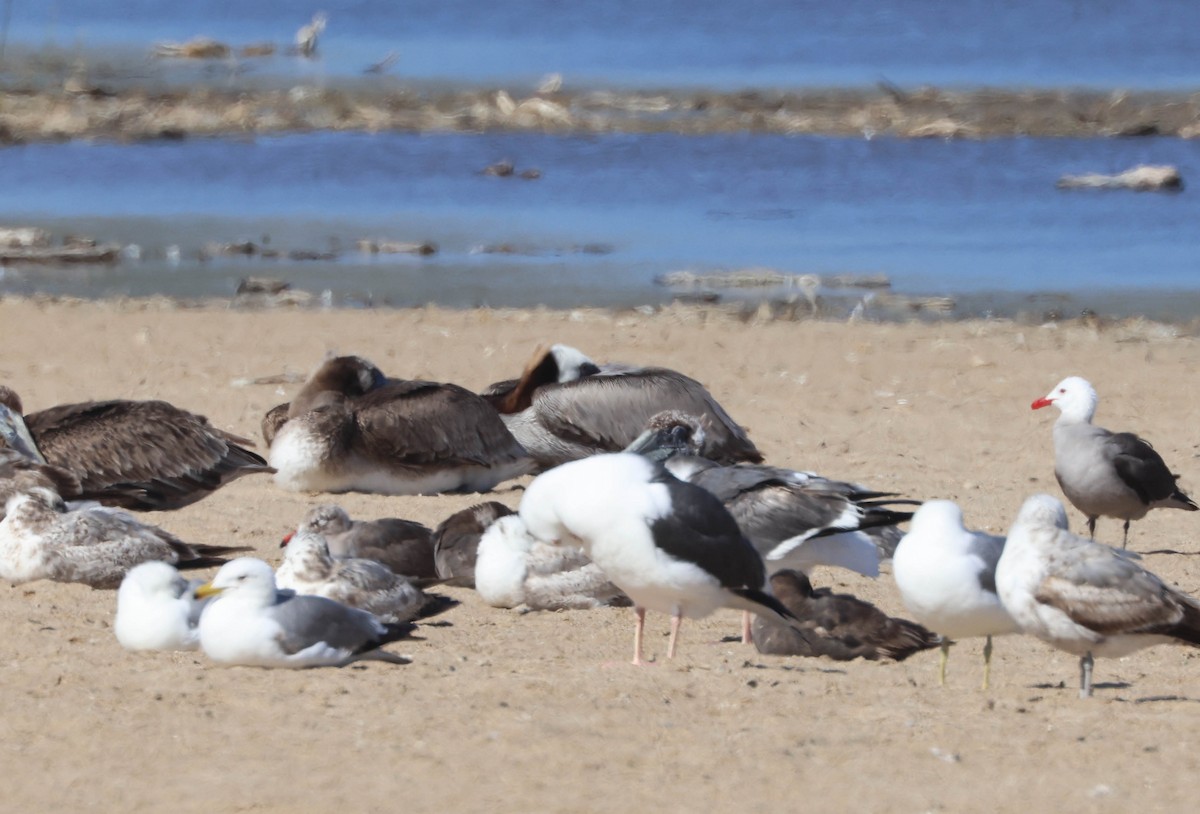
(958, 217)
(717, 43)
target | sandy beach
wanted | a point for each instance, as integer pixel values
(503, 711)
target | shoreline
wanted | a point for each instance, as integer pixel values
(56, 97)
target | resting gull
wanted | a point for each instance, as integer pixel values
(1104, 473)
(840, 626)
(250, 622)
(456, 541)
(157, 609)
(947, 579)
(309, 568)
(514, 569)
(42, 538)
(1085, 597)
(352, 429)
(795, 519)
(404, 546)
(672, 547)
(144, 455)
(565, 407)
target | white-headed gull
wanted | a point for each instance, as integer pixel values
(840, 626)
(947, 579)
(251, 623)
(157, 609)
(1085, 597)
(672, 547)
(1104, 473)
(515, 569)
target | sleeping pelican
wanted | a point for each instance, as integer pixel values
(352, 429)
(145, 455)
(565, 407)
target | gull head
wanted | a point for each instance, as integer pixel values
(244, 577)
(936, 516)
(154, 580)
(509, 532)
(1042, 511)
(328, 518)
(1074, 397)
(667, 434)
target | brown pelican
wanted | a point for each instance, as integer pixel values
(565, 407)
(146, 455)
(456, 541)
(794, 519)
(839, 626)
(352, 429)
(309, 568)
(41, 538)
(402, 545)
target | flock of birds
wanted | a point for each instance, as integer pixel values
(647, 494)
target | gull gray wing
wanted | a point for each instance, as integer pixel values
(308, 620)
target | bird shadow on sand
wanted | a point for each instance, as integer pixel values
(1156, 699)
(799, 668)
(1172, 551)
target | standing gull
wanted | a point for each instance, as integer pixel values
(250, 622)
(840, 626)
(157, 609)
(404, 546)
(1104, 473)
(565, 407)
(42, 538)
(352, 429)
(672, 547)
(308, 568)
(144, 455)
(514, 569)
(947, 579)
(1085, 597)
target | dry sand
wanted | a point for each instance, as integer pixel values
(501, 711)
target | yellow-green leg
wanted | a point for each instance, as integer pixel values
(942, 662)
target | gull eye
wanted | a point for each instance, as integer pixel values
(1062, 389)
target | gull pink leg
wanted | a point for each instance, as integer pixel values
(676, 620)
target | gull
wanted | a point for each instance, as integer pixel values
(404, 546)
(840, 626)
(456, 541)
(565, 407)
(514, 569)
(1085, 597)
(250, 622)
(947, 579)
(144, 455)
(306, 36)
(795, 519)
(157, 609)
(42, 538)
(672, 547)
(309, 568)
(1104, 473)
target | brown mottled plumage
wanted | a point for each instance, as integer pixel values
(456, 541)
(839, 626)
(404, 546)
(146, 455)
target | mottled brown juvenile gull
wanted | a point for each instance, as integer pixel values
(839, 626)
(308, 568)
(1102, 473)
(42, 538)
(404, 546)
(144, 455)
(157, 609)
(514, 569)
(456, 541)
(947, 578)
(1085, 597)
(352, 429)
(565, 407)
(252, 623)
